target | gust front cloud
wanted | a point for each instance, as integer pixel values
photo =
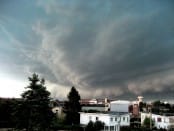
(118, 54)
(104, 48)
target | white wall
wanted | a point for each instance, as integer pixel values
(85, 118)
(120, 106)
(165, 122)
(108, 119)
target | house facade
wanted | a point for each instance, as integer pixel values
(112, 120)
(160, 121)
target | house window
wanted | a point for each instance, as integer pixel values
(115, 118)
(158, 119)
(96, 118)
(106, 128)
(111, 119)
(123, 118)
(112, 128)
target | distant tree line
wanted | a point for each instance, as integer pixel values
(157, 107)
(7, 107)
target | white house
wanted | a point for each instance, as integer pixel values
(160, 121)
(112, 120)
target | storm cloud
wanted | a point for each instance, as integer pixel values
(108, 48)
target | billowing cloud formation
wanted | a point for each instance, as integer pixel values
(104, 48)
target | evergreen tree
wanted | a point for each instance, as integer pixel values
(34, 112)
(72, 107)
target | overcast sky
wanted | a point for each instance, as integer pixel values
(105, 48)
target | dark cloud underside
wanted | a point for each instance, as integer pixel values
(117, 48)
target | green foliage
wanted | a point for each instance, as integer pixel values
(156, 103)
(91, 111)
(161, 107)
(90, 126)
(73, 100)
(127, 128)
(147, 121)
(6, 112)
(141, 106)
(34, 113)
(72, 107)
(97, 126)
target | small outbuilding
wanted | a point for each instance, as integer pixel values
(120, 106)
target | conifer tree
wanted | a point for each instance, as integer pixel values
(72, 107)
(34, 113)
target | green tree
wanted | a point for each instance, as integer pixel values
(98, 125)
(157, 103)
(34, 112)
(6, 112)
(141, 106)
(94, 126)
(72, 107)
(147, 121)
(90, 126)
